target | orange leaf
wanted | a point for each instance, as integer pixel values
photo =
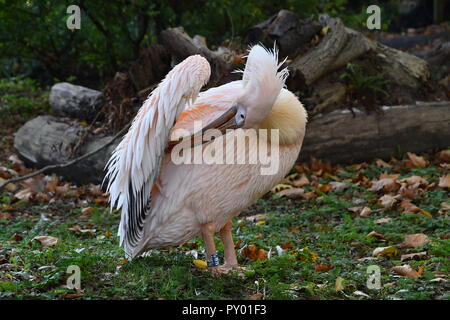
(322, 267)
(407, 271)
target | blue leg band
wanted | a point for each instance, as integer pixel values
(214, 261)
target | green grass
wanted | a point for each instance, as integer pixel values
(323, 225)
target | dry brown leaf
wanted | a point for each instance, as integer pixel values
(366, 211)
(414, 240)
(293, 193)
(387, 201)
(408, 206)
(77, 228)
(414, 256)
(256, 296)
(414, 180)
(95, 190)
(6, 216)
(51, 185)
(72, 295)
(10, 186)
(302, 181)
(40, 196)
(383, 220)
(444, 182)
(309, 195)
(376, 235)
(409, 191)
(87, 210)
(62, 190)
(356, 210)
(385, 184)
(338, 186)
(25, 194)
(416, 161)
(444, 155)
(407, 271)
(46, 241)
(383, 164)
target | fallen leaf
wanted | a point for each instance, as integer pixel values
(407, 271)
(77, 228)
(366, 211)
(24, 195)
(385, 251)
(322, 267)
(444, 155)
(414, 256)
(51, 185)
(383, 164)
(444, 182)
(383, 220)
(252, 252)
(309, 195)
(46, 241)
(408, 206)
(356, 210)
(409, 191)
(293, 193)
(416, 161)
(339, 186)
(200, 264)
(10, 186)
(412, 180)
(306, 254)
(72, 295)
(386, 185)
(325, 188)
(256, 296)
(6, 216)
(387, 201)
(414, 241)
(375, 234)
(256, 217)
(339, 284)
(303, 181)
(280, 187)
(17, 237)
(87, 210)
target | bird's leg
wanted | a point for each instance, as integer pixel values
(228, 245)
(208, 230)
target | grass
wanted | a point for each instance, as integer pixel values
(316, 234)
(323, 227)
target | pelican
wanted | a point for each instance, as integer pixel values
(165, 203)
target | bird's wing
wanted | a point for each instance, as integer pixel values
(135, 164)
(209, 105)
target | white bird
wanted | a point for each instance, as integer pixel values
(164, 202)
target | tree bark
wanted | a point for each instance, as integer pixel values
(341, 137)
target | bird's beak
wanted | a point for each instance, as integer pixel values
(230, 119)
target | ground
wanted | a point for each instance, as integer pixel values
(312, 237)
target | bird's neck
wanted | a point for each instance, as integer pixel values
(289, 117)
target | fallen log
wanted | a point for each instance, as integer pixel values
(181, 46)
(290, 33)
(47, 140)
(345, 137)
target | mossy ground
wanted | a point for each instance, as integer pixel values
(323, 242)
